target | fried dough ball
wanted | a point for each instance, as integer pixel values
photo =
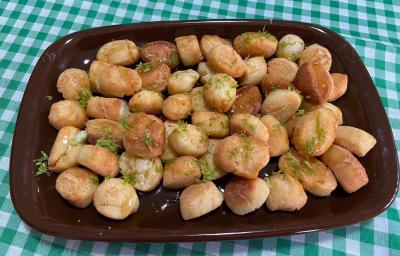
(220, 92)
(189, 50)
(355, 140)
(347, 169)
(182, 81)
(208, 42)
(335, 110)
(241, 155)
(116, 199)
(243, 196)
(99, 160)
(209, 171)
(314, 82)
(278, 140)
(315, 177)
(290, 46)
(255, 44)
(107, 108)
(273, 81)
(282, 67)
(77, 186)
(251, 126)
(102, 128)
(181, 172)
(316, 54)
(146, 173)
(315, 132)
(339, 86)
(65, 149)
(146, 136)
(256, 69)
(199, 199)
(155, 76)
(71, 82)
(119, 52)
(224, 59)
(149, 102)
(216, 125)
(281, 104)
(160, 52)
(198, 101)
(117, 81)
(205, 72)
(248, 100)
(95, 70)
(286, 193)
(188, 139)
(169, 153)
(177, 106)
(67, 113)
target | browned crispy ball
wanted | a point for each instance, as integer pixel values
(245, 195)
(255, 44)
(154, 76)
(224, 59)
(248, 100)
(314, 82)
(100, 128)
(160, 51)
(273, 81)
(146, 137)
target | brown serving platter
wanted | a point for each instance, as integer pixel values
(158, 218)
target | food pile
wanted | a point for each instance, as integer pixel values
(185, 114)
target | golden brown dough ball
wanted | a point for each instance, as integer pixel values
(290, 46)
(315, 177)
(248, 100)
(160, 52)
(339, 86)
(115, 199)
(71, 82)
(149, 102)
(256, 69)
(77, 186)
(107, 108)
(255, 44)
(146, 136)
(278, 140)
(314, 82)
(119, 52)
(243, 196)
(145, 173)
(117, 81)
(224, 59)
(315, 132)
(102, 128)
(182, 81)
(244, 123)
(220, 92)
(189, 50)
(199, 199)
(273, 81)
(188, 139)
(349, 172)
(282, 67)
(316, 54)
(208, 42)
(177, 106)
(286, 193)
(67, 113)
(216, 125)
(241, 155)
(155, 76)
(181, 172)
(99, 160)
(95, 70)
(65, 149)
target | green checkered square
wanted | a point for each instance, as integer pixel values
(28, 27)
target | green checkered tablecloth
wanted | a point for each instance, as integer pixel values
(27, 28)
